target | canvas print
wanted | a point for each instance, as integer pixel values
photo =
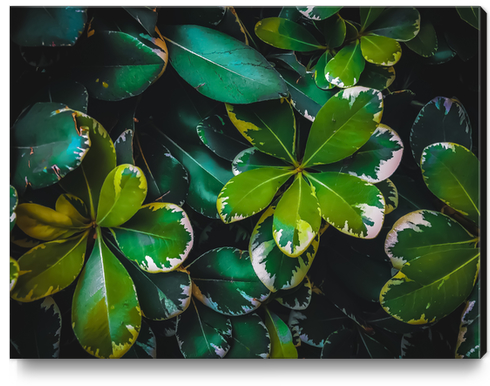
(247, 182)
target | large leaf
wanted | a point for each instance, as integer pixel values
(297, 218)
(114, 65)
(203, 333)
(86, 181)
(252, 158)
(106, 317)
(250, 338)
(269, 126)
(250, 192)
(440, 120)
(380, 50)
(276, 270)
(121, 196)
(282, 346)
(343, 125)
(201, 56)
(158, 237)
(399, 23)
(48, 268)
(350, 204)
(47, 26)
(286, 34)
(224, 280)
(345, 68)
(318, 13)
(42, 157)
(451, 172)
(13, 200)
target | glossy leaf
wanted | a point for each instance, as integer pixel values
(471, 15)
(399, 23)
(13, 200)
(297, 218)
(318, 13)
(343, 125)
(286, 34)
(203, 333)
(86, 181)
(390, 193)
(224, 280)
(124, 148)
(289, 60)
(106, 317)
(440, 120)
(47, 26)
(269, 126)
(333, 30)
(252, 158)
(282, 346)
(250, 338)
(145, 346)
(351, 205)
(158, 237)
(369, 15)
(451, 172)
(200, 56)
(121, 196)
(468, 344)
(297, 298)
(345, 69)
(42, 158)
(114, 65)
(250, 192)
(444, 52)
(380, 50)
(276, 270)
(48, 268)
(14, 273)
(377, 77)
(425, 43)
(320, 79)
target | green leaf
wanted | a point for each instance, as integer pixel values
(42, 158)
(14, 273)
(121, 196)
(339, 344)
(425, 43)
(114, 65)
(399, 23)
(145, 346)
(390, 193)
(66, 91)
(252, 158)
(333, 30)
(201, 56)
(145, 16)
(221, 136)
(471, 15)
(250, 192)
(167, 179)
(158, 237)
(297, 218)
(269, 126)
(469, 342)
(224, 280)
(343, 125)
(440, 120)
(353, 206)
(289, 59)
(318, 13)
(124, 147)
(13, 200)
(306, 97)
(276, 270)
(298, 298)
(73, 207)
(47, 26)
(46, 224)
(48, 268)
(380, 50)
(203, 333)
(320, 79)
(378, 77)
(281, 339)
(250, 338)
(106, 317)
(286, 34)
(451, 172)
(86, 181)
(345, 69)
(444, 52)
(369, 15)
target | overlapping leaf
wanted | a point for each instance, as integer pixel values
(282, 346)
(345, 68)
(250, 338)
(252, 158)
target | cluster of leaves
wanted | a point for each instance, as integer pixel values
(243, 183)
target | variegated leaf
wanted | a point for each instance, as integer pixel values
(124, 147)
(298, 298)
(250, 338)
(317, 12)
(14, 199)
(390, 193)
(252, 158)
(145, 346)
(14, 273)
(282, 346)
(380, 50)
(73, 207)
(345, 68)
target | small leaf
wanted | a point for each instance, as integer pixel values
(469, 342)
(73, 207)
(320, 79)
(378, 77)
(369, 15)
(380, 50)
(145, 346)
(339, 344)
(252, 158)
(333, 30)
(124, 148)
(286, 34)
(289, 59)
(399, 23)
(345, 68)
(281, 339)
(390, 193)
(471, 15)
(250, 338)
(121, 196)
(158, 237)
(318, 13)
(14, 199)
(425, 43)
(299, 298)
(14, 273)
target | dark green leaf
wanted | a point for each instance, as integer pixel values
(124, 148)
(399, 23)
(281, 339)
(298, 298)
(250, 338)
(290, 59)
(252, 158)
(377, 77)
(339, 344)
(333, 30)
(145, 346)
(425, 43)
(471, 15)
(145, 16)
(13, 200)
(370, 348)
(427, 343)
(318, 13)
(368, 15)
(345, 69)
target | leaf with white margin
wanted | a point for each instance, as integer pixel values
(350, 204)
(297, 218)
(390, 193)
(250, 338)
(252, 158)
(345, 68)
(469, 341)
(423, 232)
(121, 196)
(158, 237)
(380, 50)
(14, 199)
(224, 280)
(203, 333)
(451, 172)
(318, 13)
(281, 338)
(298, 298)
(145, 346)
(250, 192)
(276, 270)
